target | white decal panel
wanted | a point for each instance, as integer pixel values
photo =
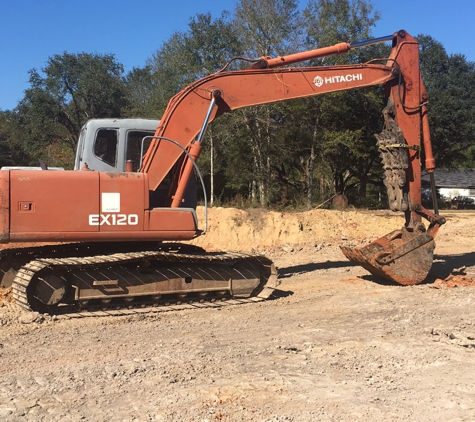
(110, 213)
(110, 202)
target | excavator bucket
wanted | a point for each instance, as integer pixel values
(402, 256)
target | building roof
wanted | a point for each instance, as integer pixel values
(457, 178)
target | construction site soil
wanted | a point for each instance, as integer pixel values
(334, 343)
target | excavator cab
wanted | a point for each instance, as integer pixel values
(118, 145)
(109, 144)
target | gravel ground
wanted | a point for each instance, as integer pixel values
(333, 344)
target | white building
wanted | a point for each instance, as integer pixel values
(452, 184)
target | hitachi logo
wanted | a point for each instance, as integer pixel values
(319, 81)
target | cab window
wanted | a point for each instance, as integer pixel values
(134, 145)
(105, 146)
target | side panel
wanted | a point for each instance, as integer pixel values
(123, 199)
(4, 206)
(86, 206)
(51, 201)
(172, 220)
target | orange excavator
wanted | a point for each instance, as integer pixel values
(112, 226)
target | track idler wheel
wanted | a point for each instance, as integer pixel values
(49, 289)
(401, 256)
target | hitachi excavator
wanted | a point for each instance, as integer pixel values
(112, 216)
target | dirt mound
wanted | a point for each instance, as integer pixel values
(254, 229)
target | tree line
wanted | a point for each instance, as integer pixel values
(289, 154)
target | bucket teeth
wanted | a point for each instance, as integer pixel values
(401, 256)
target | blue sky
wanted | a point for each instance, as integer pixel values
(33, 30)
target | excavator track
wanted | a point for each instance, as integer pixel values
(141, 282)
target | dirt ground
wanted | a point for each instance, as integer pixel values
(333, 344)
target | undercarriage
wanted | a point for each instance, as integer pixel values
(77, 279)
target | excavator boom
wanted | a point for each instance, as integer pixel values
(183, 118)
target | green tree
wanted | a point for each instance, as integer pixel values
(330, 21)
(266, 28)
(343, 123)
(450, 82)
(71, 89)
(143, 93)
(11, 153)
(203, 49)
(187, 56)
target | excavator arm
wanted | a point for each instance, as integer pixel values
(404, 256)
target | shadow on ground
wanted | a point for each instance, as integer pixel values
(443, 266)
(313, 266)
